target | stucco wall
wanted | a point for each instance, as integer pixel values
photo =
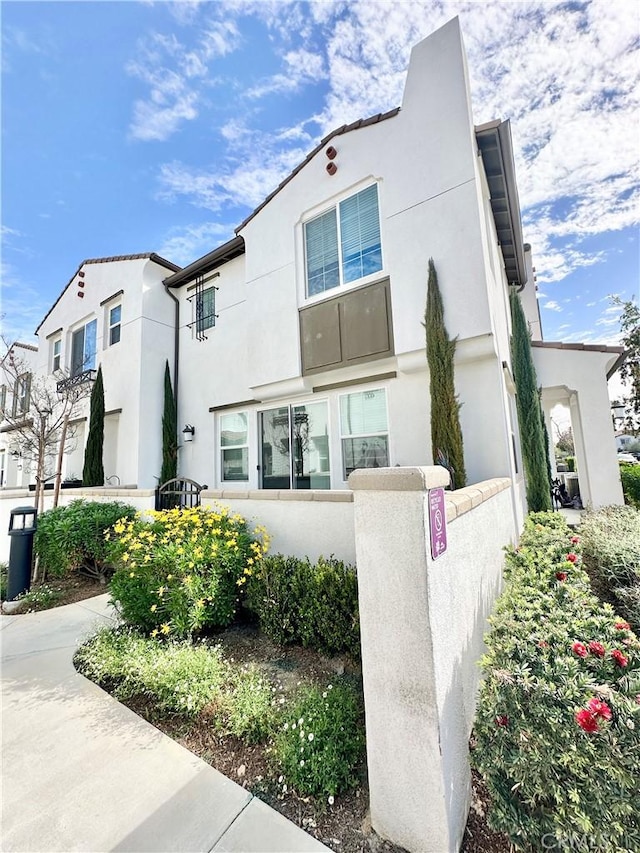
(422, 623)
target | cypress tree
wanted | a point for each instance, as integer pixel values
(169, 431)
(534, 447)
(446, 434)
(93, 470)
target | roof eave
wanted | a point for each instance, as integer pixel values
(495, 136)
(231, 249)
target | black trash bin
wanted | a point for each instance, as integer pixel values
(22, 527)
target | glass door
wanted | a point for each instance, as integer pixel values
(294, 450)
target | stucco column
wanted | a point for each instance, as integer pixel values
(581, 458)
(407, 790)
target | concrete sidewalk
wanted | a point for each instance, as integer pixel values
(82, 772)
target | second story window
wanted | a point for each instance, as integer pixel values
(21, 395)
(3, 400)
(56, 355)
(205, 310)
(343, 244)
(83, 348)
(115, 324)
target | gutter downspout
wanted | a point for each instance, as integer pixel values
(176, 343)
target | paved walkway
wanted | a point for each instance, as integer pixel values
(81, 772)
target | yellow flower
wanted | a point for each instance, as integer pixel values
(165, 628)
(154, 607)
(169, 577)
(154, 633)
(200, 602)
(132, 574)
(161, 591)
(250, 561)
(147, 558)
(125, 557)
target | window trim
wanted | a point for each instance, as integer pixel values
(222, 448)
(342, 286)
(84, 366)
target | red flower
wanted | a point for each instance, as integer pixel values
(619, 658)
(561, 576)
(571, 558)
(579, 649)
(502, 720)
(623, 626)
(574, 540)
(586, 720)
(599, 708)
(597, 649)
(543, 644)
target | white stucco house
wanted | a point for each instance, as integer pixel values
(297, 347)
(115, 313)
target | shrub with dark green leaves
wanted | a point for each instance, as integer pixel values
(71, 538)
(320, 743)
(630, 476)
(183, 570)
(611, 547)
(558, 722)
(315, 604)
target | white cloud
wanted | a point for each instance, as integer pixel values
(185, 244)
(552, 305)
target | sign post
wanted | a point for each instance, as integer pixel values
(437, 522)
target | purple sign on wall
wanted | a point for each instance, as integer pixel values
(437, 522)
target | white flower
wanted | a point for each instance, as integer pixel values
(301, 733)
(281, 700)
(286, 726)
(284, 789)
(301, 721)
(310, 735)
(293, 725)
(331, 800)
(302, 762)
(324, 695)
(280, 779)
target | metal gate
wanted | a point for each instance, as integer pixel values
(179, 493)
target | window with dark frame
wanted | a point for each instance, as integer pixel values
(83, 348)
(57, 353)
(205, 310)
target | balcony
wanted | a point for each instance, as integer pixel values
(81, 378)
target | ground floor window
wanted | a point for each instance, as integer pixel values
(364, 430)
(294, 447)
(234, 446)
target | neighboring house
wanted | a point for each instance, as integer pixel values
(16, 371)
(623, 441)
(115, 313)
(299, 345)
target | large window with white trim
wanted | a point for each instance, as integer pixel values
(234, 446)
(364, 430)
(343, 244)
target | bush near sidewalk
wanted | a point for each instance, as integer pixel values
(71, 538)
(630, 476)
(315, 604)
(558, 721)
(184, 570)
(611, 547)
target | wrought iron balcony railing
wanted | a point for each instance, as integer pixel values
(74, 381)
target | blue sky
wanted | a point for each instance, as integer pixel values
(157, 126)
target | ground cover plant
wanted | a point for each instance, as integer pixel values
(72, 538)
(314, 734)
(610, 541)
(557, 735)
(181, 571)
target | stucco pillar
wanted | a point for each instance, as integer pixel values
(581, 458)
(407, 789)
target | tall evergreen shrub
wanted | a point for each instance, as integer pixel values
(169, 431)
(532, 434)
(93, 470)
(446, 434)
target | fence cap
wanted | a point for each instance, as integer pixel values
(399, 479)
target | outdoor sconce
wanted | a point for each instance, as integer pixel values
(188, 432)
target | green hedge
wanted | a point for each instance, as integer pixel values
(611, 547)
(630, 476)
(71, 537)
(557, 734)
(300, 602)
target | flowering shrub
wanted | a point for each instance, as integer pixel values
(611, 548)
(558, 720)
(183, 570)
(320, 743)
(315, 604)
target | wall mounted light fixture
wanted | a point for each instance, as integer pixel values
(188, 432)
